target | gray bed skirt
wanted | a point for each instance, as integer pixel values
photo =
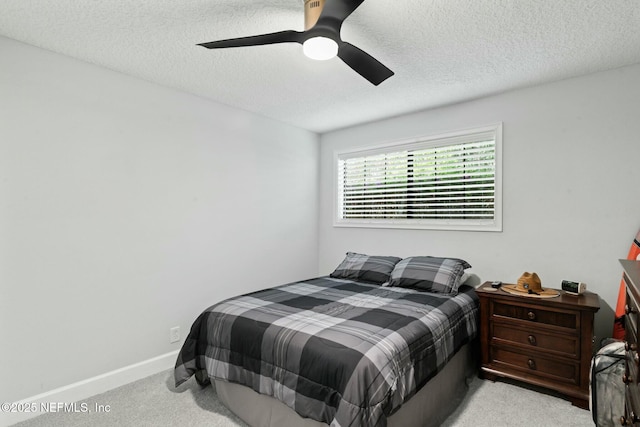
(429, 407)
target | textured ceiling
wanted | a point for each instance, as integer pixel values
(442, 51)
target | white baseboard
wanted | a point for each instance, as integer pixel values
(90, 387)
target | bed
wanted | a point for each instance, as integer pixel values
(355, 348)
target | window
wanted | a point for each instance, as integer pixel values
(450, 182)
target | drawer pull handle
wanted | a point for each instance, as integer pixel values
(531, 363)
(633, 418)
(531, 315)
(630, 346)
(532, 339)
(628, 309)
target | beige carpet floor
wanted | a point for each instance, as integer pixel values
(153, 401)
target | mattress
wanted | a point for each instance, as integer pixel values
(338, 351)
(430, 407)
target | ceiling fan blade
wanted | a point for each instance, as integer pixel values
(363, 63)
(337, 10)
(289, 36)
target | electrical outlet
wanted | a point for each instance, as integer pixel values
(174, 334)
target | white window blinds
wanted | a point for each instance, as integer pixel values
(443, 182)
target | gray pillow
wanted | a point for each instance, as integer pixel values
(373, 269)
(425, 273)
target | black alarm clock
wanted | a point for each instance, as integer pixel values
(574, 288)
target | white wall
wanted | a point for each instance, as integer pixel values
(571, 188)
(127, 208)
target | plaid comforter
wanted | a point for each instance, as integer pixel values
(342, 352)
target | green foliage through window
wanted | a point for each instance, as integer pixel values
(451, 180)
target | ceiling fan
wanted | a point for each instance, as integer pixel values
(320, 39)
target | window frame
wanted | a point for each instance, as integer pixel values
(427, 141)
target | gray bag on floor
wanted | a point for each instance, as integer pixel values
(607, 388)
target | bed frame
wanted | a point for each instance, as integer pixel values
(429, 407)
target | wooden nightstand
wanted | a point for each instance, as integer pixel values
(546, 342)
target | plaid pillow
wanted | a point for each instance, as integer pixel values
(374, 269)
(425, 273)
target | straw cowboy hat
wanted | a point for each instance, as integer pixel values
(529, 285)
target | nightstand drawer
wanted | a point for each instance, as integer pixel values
(531, 313)
(530, 363)
(533, 338)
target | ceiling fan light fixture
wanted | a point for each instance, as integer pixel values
(321, 39)
(320, 48)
